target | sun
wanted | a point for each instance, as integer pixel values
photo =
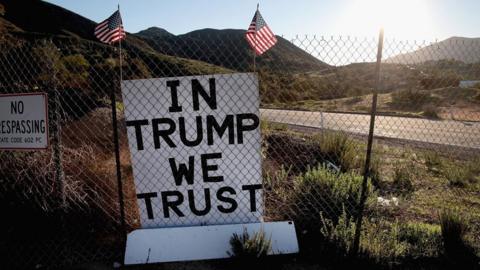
(409, 19)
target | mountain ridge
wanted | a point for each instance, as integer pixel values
(462, 49)
(228, 48)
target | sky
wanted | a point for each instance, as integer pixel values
(402, 19)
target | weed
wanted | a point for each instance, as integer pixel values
(424, 240)
(244, 246)
(445, 79)
(477, 97)
(353, 100)
(452, 225)
(454, 228)
(341, 234)
(339, 149)
(409, 98)
(320, 190)
(463, 175)
(433, 161)
(380, 241)
(402, 178)
(278, 178)
(456, 176)
(430, 111)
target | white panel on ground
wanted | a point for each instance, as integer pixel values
(202, 242)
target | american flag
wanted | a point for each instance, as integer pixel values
(259, 35)
(111, 29)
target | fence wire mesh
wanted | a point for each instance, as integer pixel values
(315, 100)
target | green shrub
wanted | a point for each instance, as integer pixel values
(340, 234)
(244, 246)
(440, 81)
(339, 149)
(355, 99)
(456, 176)
(424, 240)
(454, 228)
(477, 97)
(320, 190)
(380, 241)
(383, 241)
(430, 111)
(410, 98)
(267, 127)
(463, 175)
(433, 161)
(275, 182)
(403, 176)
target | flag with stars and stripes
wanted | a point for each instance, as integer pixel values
(259, 35)
(110, 30)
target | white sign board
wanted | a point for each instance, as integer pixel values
(23, 121)
(203, 242)
(195, 147)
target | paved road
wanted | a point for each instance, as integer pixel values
(423, 130)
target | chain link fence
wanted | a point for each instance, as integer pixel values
(61, 205)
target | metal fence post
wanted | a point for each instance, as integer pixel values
(117, 147)
(59, 174)
(366, 171)
(57, 151)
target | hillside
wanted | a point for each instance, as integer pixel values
(228, 48)
(462, 49)
(39, 17)
(27, 21)
(41, 38)
(42, 17)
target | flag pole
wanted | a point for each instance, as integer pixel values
(120, 52)
(254, 52)
(117, 144)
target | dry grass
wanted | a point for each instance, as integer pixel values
(90, 185)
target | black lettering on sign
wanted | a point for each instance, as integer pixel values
(182, 171)
(183, 135)
(206, 168)
(241, 127)
(174, 94)
(210, 99)
(16, 107)
(193, 208)
(167, 204)
(227, 124)
(42, 126)
(221, 197)
(148, 202)
(137, 124)
(252, 189)
(165, 134)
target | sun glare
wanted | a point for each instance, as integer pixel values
(400, 18)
